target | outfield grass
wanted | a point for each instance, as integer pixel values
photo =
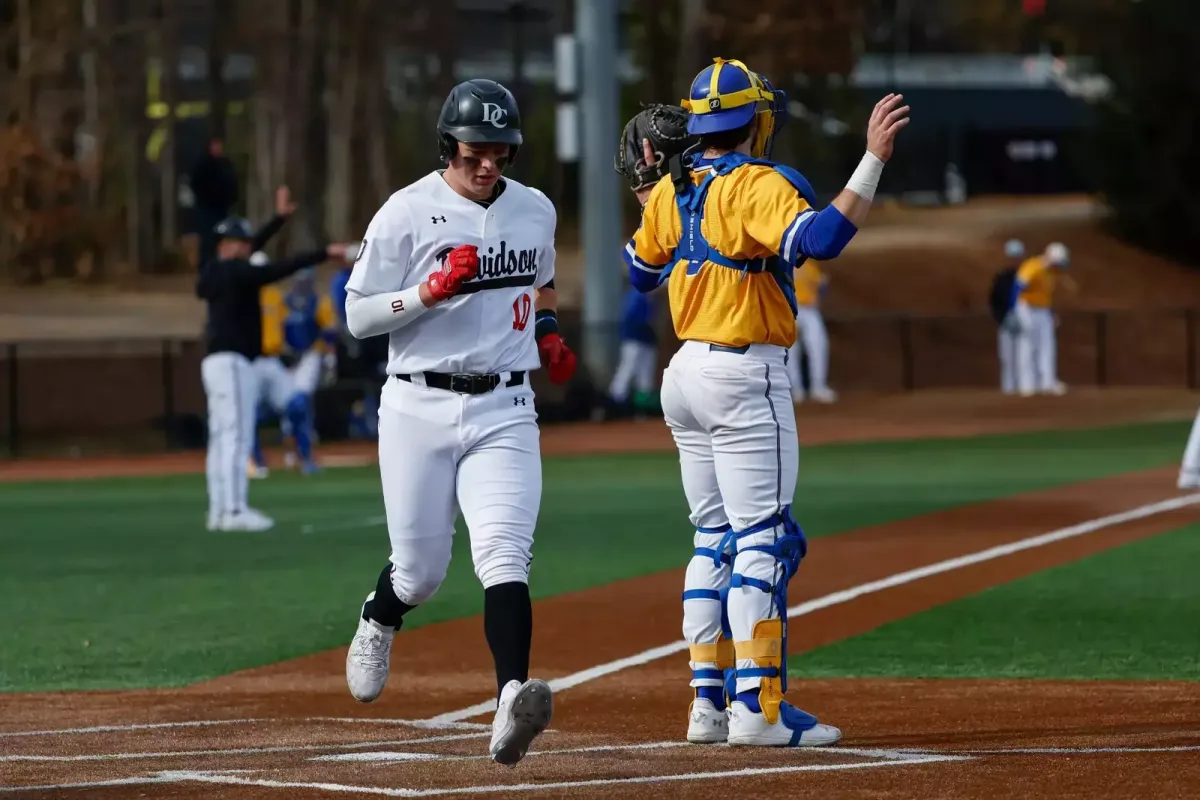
(115, 583)
(1128, 613)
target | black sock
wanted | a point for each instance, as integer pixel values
(508, 625)
(385, 608)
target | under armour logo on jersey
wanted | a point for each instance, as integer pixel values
(496, 116)
(518, 401)
(436, 220)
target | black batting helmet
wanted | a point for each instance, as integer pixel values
(234, 228)
(479, 111)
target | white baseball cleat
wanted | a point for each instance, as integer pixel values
(794, 728)
(213, 523)
(248, 519)
(524, 711)
(706, 725)
(824, 395)
(368, 659)
(1188, 480)
(797, 395)
(1057, 389)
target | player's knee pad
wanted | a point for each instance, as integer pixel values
(705, 621)
(767, 556)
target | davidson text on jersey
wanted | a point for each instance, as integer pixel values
(500, 269)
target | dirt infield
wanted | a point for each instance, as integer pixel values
(917, 415)
(291, 730)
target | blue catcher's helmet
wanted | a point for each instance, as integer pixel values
(727, 96)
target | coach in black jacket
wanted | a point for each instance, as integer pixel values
(231, 286)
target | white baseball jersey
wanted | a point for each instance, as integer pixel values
(489, 326)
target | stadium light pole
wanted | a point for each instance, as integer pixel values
(600, 199)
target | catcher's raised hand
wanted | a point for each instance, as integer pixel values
(887, 119)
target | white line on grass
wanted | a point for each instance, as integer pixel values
(246, 751)
(846, 595)
(343, 525)
(201, 723)
(234, 780)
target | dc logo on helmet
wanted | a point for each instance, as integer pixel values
(714, 103)
(495, 115)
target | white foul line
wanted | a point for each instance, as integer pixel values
(133, 727)
(245, 751)
(234, 780)
(846, 595)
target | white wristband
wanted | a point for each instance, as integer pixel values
(865, 179)
(371, 315)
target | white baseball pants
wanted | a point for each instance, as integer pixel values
(306, 374)
(812, 336)
(636, 365)
(441, 453)
(1191, 453)
(1037, 355)
(735, 427)
(275, 383)
(1006, 346)
(231, 389)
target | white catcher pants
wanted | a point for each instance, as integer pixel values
(441, 453)
(735, 427)
(635, 368)
(812, 336)
(231, 391)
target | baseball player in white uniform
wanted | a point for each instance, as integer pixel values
(458, 270)
(811, 282)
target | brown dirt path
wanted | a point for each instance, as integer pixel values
(856, 418)
(444, 667)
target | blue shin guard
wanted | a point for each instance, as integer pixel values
(710, 660)
(767, 647)
(301, 427)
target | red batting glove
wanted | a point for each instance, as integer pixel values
(557, 358)
(461, 265)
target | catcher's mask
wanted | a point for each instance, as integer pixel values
(479, 112)
(727, 96)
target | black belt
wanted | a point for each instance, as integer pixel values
(465, 382)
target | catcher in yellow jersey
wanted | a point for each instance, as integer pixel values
(725, 230)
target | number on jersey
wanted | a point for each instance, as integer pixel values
(521, 308)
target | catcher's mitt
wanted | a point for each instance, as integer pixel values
(666, 128)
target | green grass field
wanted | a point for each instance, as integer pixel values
(116, 584)
(1128, 613)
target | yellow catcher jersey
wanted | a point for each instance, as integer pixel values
(1035, 282)
(809, 280)
(746, 214)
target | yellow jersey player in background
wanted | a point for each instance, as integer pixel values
(811, 283)
(1037, 347)
(299, 335)
(726, 235)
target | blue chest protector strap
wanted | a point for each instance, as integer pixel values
(694, 248)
